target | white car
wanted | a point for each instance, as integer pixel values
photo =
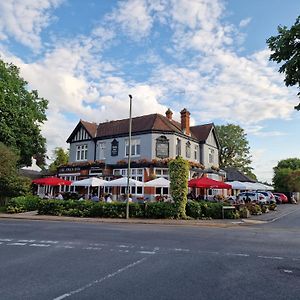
(255, 197)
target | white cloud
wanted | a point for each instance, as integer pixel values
(245, 22)
(23, 20)
(134, 18)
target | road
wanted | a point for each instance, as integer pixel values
(61, 260)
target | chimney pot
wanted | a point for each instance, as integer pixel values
(169, 114)
(185, 121)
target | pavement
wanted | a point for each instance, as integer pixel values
(282, 210)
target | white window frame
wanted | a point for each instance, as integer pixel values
(81, 152)
(211, 156)
(102, 148)
(135, 147)
(188, 150)
(136, 174)
(162, 172)
(178, 147)
(196, 151)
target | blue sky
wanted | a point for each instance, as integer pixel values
(209, 56)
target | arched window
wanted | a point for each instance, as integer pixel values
(188, 150)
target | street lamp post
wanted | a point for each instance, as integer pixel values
(129, 156)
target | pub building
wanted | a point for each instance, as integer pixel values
(102, 150)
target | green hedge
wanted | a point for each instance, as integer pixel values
(151, 210)
(23, 204)
(75, 208)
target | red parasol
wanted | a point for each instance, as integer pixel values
(51, 181)
(208, 183)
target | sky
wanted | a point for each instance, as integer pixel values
(209, 56)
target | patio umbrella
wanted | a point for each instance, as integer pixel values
(123, 182)
(50, 182)
(53, 181)
(92, 181)
(237, 185)
(158, 182)
(208, 183)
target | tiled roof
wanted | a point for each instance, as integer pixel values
(154, 122)
(233, 174)
(90, 127)
(201, 132)
(146, 123)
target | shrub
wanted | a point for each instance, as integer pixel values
(179, 172)
(273, 206)
(160, 210)
(23, 204)
(193, 209)
(254, 209)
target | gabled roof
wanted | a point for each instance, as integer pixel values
(91, 129)
(232, 174)
(151, 122)
(201, 132)
(141, 124)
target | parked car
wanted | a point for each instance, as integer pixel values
(253, 197)
(281, 198)
(269, 196)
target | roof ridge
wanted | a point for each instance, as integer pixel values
(119, 120)
(168, 123)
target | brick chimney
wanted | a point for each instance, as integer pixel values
(185, 121)
(169, 114)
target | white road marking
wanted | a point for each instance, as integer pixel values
(270, 257)
(16, 244)
(5, 240)
(146, 252)
(288, 271)
(99, 280)
(39, 245)
(238, 254)
(123, 246)
(181, 250)
(123, 251)
(92, 248)
(48, 242)
(65, 246)
(26, 241)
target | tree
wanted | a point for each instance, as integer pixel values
(11, 183)
(179, 174)
(285, 49)
(21, 114)
(287, 175)
(61, 158)
(234, 149)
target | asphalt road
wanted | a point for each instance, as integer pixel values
(61, 260)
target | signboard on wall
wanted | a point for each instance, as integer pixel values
(162, 147)
(114, 148)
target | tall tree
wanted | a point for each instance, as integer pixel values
(11, 183)
(234, 148)
(285, 49)
(21, 113)
(286, 175)
(61, 158)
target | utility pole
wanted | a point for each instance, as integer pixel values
(129, 156)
